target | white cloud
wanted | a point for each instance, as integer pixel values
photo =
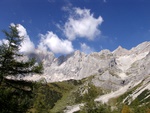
(51, 41)
(85, 48)
(3, 41)
(82, 24)
(27, 46)
(42, 47)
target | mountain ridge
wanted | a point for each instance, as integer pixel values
(122, 75)
(79, 65)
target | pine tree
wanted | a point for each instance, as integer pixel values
(15, 95)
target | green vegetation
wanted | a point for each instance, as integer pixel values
(140, 105)
(92, 107)
(127, 94)
(142, 96)
(89, 93)
(15, 95)
(14, 100)
(44, 98)
(66, 88)
(54, 97)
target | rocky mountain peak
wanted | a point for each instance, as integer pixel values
(105, 51)
(120, 51)
(78, 53)
(120, 47)
(78, 65)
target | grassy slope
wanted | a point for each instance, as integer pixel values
(68, 90)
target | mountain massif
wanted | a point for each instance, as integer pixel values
(123, 75)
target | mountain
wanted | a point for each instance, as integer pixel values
(78, 65)
(122, 75)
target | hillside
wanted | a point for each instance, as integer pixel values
(118, 79)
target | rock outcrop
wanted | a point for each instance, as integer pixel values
(111, 70)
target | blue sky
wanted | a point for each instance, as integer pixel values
(63, 26)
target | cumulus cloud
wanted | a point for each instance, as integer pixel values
(81, 23)
(42, 47)
(51, 41)
(85, 48)
(27, 46)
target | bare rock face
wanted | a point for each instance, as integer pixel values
(111, 70)
(78, 65)
(141, 48)
(120, 51)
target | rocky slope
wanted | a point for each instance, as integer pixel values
(78, 65)
(121, 74)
